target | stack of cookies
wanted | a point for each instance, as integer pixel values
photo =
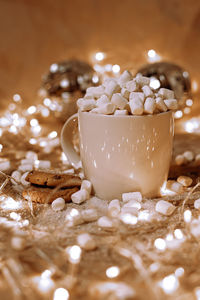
(46, 187)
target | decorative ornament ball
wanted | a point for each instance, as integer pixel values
(65, 82)
(171, 76)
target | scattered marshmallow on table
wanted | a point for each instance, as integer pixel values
(174, 186)
(197, 204)
(132, 196)
(189, 156)
(105, 222)
(17, 177)
(184, 180)
(5, 165)
(89, 215)
(23, 179)
(58, 204)
(86, 242)
(133, 203)
(80, 196)
(114, 208)
(165, 208)
(180, 160)
(86, 185)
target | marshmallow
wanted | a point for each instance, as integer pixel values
(189, 155)
(119, 101)
(136, 96)
(121, 112)
(105, 222)
(195, 228)
(102, 100)
(85, 241)
(80, 196)
(5, 165)
(31, 155)
(124, 78)
(111, 88)
(27, 161)
(105, 109)
(180, 160)
(58, 204)
(25, 168)
(86, 105)
(114, 208)
(149, 105)
(132, 86)
(165, 208)
(134, 204)
(43, 164)
(18, 243)
(132, 196)
(23, 179)
(160, 104)
(171, 103)
(166, 93)
(73, 217)
(136, 107)
(95, 92)
(87, 185)
(184, 180)
(174, 186)
(17, 177)
(129, 210)
(197, 204)
(89, 215)
(147, 91)
(197, 158)
(125, 93)
(141, 80)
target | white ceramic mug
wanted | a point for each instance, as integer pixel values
(122, 153)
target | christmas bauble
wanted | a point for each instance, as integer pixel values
(171, 76)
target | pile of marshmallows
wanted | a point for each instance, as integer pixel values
(127, 95)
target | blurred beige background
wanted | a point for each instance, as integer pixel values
(36, 33)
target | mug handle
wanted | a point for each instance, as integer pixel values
(66, 140)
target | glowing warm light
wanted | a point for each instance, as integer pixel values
(154, 83)
(169, 284)
(189, 102)
(191, 125)
(15, 216)
(43, 283)
(31, 110)
(53, 68)
(36, 129)
(160, 244)
(16, 97)
(112, 272)
(128, 219)
(194, 86)
(169, 237)
(95, 78)
(4, 122)
(61, 294)
(10, 204)
(46, 274)
(108, 67)
(74, 212)
(34, 122)
(197, 293)
(52, 135)
(64, 83)
(13, 129)
(178, 114)
(179, 272)
(116, 69)
(1, 147)
(178, 234)
(74, 254)
(43, 144)
(47, 102)
(33, 141)
(187, 216)
(99, 56)
(153, 56)
(154, 267)
(187, 110)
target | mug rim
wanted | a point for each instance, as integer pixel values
(125, 116)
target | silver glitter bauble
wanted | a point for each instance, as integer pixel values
(171, 76)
